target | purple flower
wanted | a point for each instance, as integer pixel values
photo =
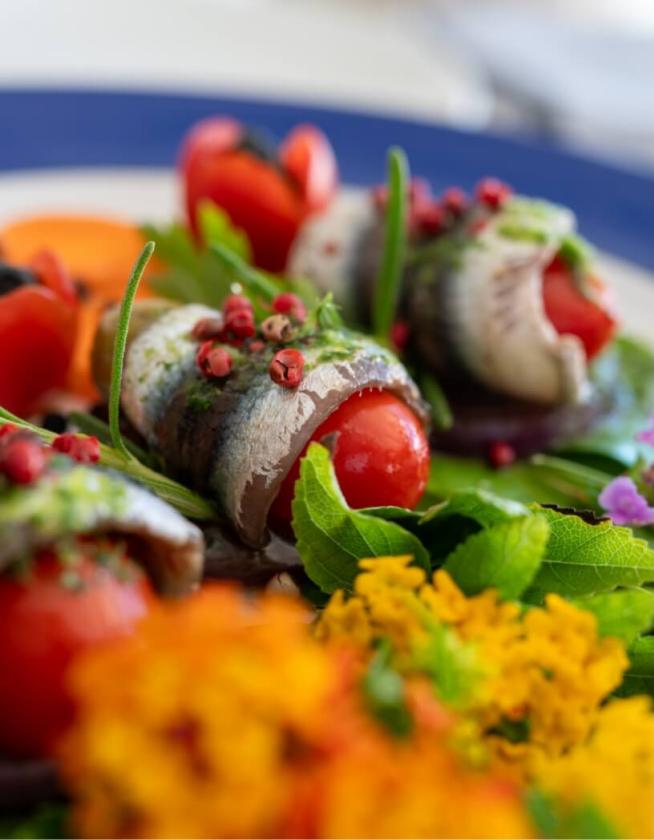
(647, 435)
(624, 504)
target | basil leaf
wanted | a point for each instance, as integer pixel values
(625, 613)
(639, 678)
(583, 559)
(505, 556)
(331, 537)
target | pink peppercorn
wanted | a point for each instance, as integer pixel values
(22, 459)
(430, 219)
(215, 362)
(455, 201)
(84, 450)
(207, 328)
(501, 454)
(286, 368)
(239, 324)
(493, 193)
(289, 304)
(236, 303)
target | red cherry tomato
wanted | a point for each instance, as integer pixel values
(44, 627)
(37, 336)
(255, 196)
(381, 455)
(308, 157)
(571, 313)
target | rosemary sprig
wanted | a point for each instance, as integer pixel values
(254, 281)
(389, 279)
(120, 343)
(184, 500)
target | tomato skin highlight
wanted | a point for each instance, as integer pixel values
(37, 335)
(308, 157)
(381, 454)
(44, 627)
(571, 313)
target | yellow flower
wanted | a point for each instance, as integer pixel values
(545, 667)
(224, 717)
(613, 769)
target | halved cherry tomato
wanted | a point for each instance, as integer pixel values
(573, 313)
(255, 196)
(381, 454)
(44, 627)
(308, 157)
(37, 336)
(267, 200)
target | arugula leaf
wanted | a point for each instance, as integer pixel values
(639, 678)
(331, 537)
(625, 613)
(583, 559)
(505, 556)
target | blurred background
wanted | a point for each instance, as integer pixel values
(576, 72)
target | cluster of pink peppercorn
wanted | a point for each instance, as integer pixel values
(24, 457)
(431, 216)
(235, 327)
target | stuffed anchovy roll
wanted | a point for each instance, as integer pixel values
(501, 301)
(230, 404)
(83, 554)
(500, 289)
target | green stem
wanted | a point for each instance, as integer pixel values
(184, 500)
(389, 279)
(120, 344)
(253, 280)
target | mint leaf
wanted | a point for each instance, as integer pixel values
(484, 507)
(582, 559)
(331, 537)
(625, 613)
(639, 678)
(505, 556)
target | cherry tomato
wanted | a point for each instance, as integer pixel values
(572, 313)
(308, 157)
(44, 627)
(381, 454)
(255, 196)
(37, 335)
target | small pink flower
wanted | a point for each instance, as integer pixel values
(647, 435)
(624, 504)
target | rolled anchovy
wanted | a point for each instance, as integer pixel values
(88, 500)
(473, 302)
(239, 439)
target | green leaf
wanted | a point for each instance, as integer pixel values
(505, 556)
(639, 678)
(522, 482)
(625, 613)
(331, 537)
(216, 226)
(626, 373)
(383, 691)
(554, 820)
(440, 408)
(485, 508)
(583, 558)
(389, 279)
(452, 665)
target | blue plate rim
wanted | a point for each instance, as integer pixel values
(66, 126)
